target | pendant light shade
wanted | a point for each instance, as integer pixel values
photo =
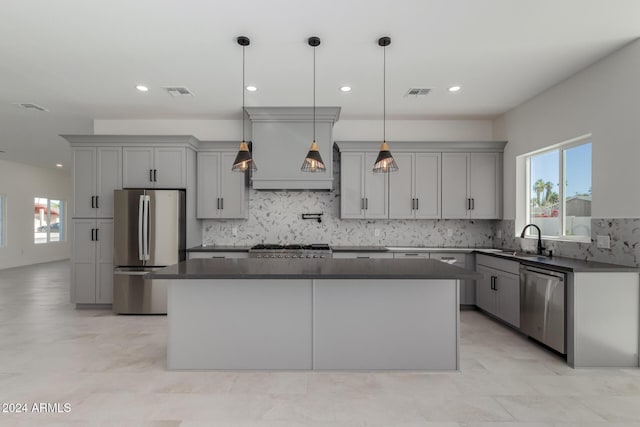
(384, 162)
(313, 161)
(244, 160)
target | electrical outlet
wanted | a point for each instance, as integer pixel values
(499, 234)
(376, 232)
(449, 232)
(604, 242)
(234, 231)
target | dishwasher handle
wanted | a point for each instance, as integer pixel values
(542, 271)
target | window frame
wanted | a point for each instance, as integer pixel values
(62, 237)
(561, 148)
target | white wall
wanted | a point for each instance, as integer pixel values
(604, 100)
(344, 130)
(20, 183)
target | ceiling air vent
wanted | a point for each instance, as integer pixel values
(418, 91)
(29, 106)
(177, 91)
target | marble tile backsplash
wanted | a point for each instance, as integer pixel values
(623, 232)
(277, 217)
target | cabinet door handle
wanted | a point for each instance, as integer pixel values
(362, 204)
(417, 204)
(97, 202)
(366, 203)
(473, 204)
(92, 238)
(468, 204)
(155, 175)
(97, 239)
(363, 257)
(410, 254)
(93, 204)
(413, 204)
(222, 203)
(151, 175)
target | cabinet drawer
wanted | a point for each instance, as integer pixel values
(411, 255)
(362, 255)
(195, 255)
(512, 267)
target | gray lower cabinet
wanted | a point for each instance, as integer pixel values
(92, 261)
(467, 287)
(498, 291)
(210, 255)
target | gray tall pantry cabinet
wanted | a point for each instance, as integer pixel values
(97, 171)
(102, 164)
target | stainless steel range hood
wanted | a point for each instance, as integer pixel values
(281, 137)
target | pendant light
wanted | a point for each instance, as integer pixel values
(313, 161)
(385, 162)
(244, 160)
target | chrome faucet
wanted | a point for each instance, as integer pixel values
(540, 248)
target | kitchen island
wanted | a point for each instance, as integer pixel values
(329, 314)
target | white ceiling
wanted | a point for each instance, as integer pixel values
(81, 59)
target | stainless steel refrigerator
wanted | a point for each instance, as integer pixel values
(149, 233)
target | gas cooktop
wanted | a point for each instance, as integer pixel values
(275, 250)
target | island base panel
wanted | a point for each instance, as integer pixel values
(380, 325)
(239, 324)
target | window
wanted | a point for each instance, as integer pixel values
(559, 191)
(48, 221)
(3, 220)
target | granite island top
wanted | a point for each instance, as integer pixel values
(260, 268)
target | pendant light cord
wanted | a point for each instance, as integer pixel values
(384, 94)
(314, 93)
(243, 94)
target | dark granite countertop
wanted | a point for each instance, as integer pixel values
(570, 265)
(258, 268)
(359, 249)
(215, 248)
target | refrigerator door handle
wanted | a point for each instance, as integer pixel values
(140, 227)
(145, 228)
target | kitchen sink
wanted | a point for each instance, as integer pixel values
(524, 255)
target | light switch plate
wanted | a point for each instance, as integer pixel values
(604, 242)
(499, 234)
(234, 231)
(449, 232)
(376, 232)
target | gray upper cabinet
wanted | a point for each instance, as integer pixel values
(414, 191)
(97, 171)
(222, 193)
(154, 167)
(471, 185)
(363, 193)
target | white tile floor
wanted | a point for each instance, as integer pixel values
(111, 370)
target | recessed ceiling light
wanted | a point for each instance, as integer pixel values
(345, 88)
(58, 165)
(142, 88)
(252, 88)
(455, 88)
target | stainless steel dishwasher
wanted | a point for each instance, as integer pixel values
(542, 306)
